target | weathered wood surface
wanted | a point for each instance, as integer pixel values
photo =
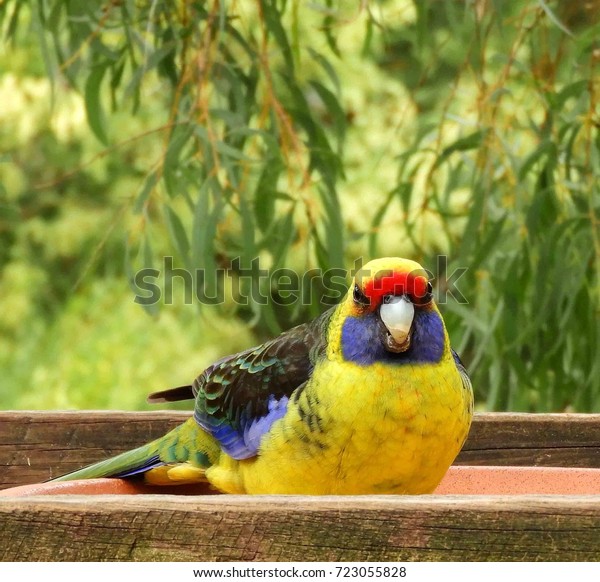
(544, 440)
(35, 446)
(232, 528)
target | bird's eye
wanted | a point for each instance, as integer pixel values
(359, 297)
(428, 295)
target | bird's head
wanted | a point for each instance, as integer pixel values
(389, 315)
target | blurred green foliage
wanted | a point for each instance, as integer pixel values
(306, 135)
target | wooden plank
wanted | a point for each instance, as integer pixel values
(545, 440)
(38, 445)
(35, 446)
(365, 528)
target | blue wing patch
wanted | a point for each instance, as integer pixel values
(243, 443)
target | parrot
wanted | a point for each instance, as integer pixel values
(368, 398)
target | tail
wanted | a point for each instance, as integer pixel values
(179, 457)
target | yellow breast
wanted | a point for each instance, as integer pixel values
(355, 431)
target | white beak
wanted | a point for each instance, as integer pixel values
(397, 316)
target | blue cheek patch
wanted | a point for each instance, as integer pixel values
(361, 340)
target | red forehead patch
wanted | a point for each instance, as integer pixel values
(395, 283)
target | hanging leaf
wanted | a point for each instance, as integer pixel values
(178, 235)
(469, 142)
(93, 102)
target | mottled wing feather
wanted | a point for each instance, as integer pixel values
(239, 397)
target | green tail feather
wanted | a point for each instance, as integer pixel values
(185, 443)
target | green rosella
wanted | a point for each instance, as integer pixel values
(367, 398)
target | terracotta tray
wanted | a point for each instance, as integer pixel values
(460, 480)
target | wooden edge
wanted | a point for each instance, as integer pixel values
(178, 414)
(51, 416)
(497, 418)
(524, 419)
(293, 528)
(277, 503)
